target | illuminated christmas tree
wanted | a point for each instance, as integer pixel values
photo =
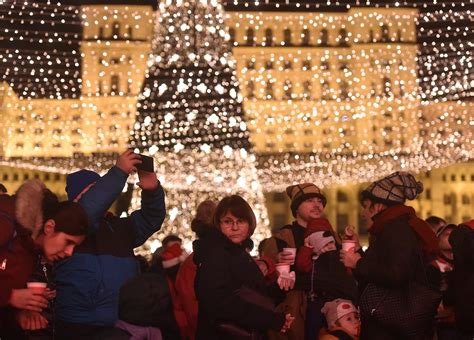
(190, 115)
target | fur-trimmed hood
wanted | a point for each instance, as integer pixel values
(29, 206)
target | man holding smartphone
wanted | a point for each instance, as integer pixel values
(88, 285)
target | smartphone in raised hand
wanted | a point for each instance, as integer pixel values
(146, 164)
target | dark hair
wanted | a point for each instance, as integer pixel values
(435, 220)
(3, 190)
(69, 217)
(366, 195)
(202, 222)
(170, 238)
(238, 207)
(261, 245)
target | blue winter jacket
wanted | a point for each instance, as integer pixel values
(88, 282)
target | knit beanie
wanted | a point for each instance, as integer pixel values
(393, 189)
(336, 309)
(319, 240)
(78, 181)
(301, 192)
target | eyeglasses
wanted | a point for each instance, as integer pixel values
(228, 222)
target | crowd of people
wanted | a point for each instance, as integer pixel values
(68, 269)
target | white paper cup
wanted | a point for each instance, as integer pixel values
(39, 287)
(283, 268)
(348, 244)
(293, 253)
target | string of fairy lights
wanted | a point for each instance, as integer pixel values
(243, 100)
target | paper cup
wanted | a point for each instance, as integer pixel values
(283, 268)
(39, 287)
(348, 244)
(293, 253)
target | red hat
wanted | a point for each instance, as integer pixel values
(318, 224)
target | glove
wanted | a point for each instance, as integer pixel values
(286, 281)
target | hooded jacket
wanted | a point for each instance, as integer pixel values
(88, 282)
(223, 268)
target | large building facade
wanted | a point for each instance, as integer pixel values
(312, 82)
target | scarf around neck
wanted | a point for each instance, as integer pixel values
(424, 233)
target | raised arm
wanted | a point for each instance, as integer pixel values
(98, 199)
(150, 217)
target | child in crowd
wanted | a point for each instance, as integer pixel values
(319, 256)
(343, 320)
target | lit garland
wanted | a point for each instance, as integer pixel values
(354, 109)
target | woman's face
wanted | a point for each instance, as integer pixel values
(236, 229)
(58, 245)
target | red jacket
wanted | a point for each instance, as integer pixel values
(18, 252)
(304, 259)
(187, 296)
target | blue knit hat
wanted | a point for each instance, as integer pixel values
(78, 181)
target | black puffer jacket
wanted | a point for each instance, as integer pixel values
(223, 268)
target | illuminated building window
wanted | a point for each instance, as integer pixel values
(387, 86)
(268, 37)
(250, 89)
(466, 200)
(15, 177)
(279, 197)
(385, 33)
(453, 178)
(343, 65)
(130, 32)
(387, 115)
(325, 90)
(463, 177)
(114, 84)
(342, 196)
(344, 90)
(444, 177)
(325, 65)
(269, 65)
(371, 36)
(306, 37)
(100, 87)
(287, 87)
(26, 177)
(5, 177)
(306, 65)
(250, 37)
(287, 65)
(101, 33)
(428, 194)
(76, 118)
(129, 86)
(399, 35)
(307, 89)
(447, 199)
(47, 177)
(373, 90)
(19, 145)
(287, 37)
(232, 36)
(269, 90)
(401, 90)
(324, 38)
(116, 30)
(343, 39)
